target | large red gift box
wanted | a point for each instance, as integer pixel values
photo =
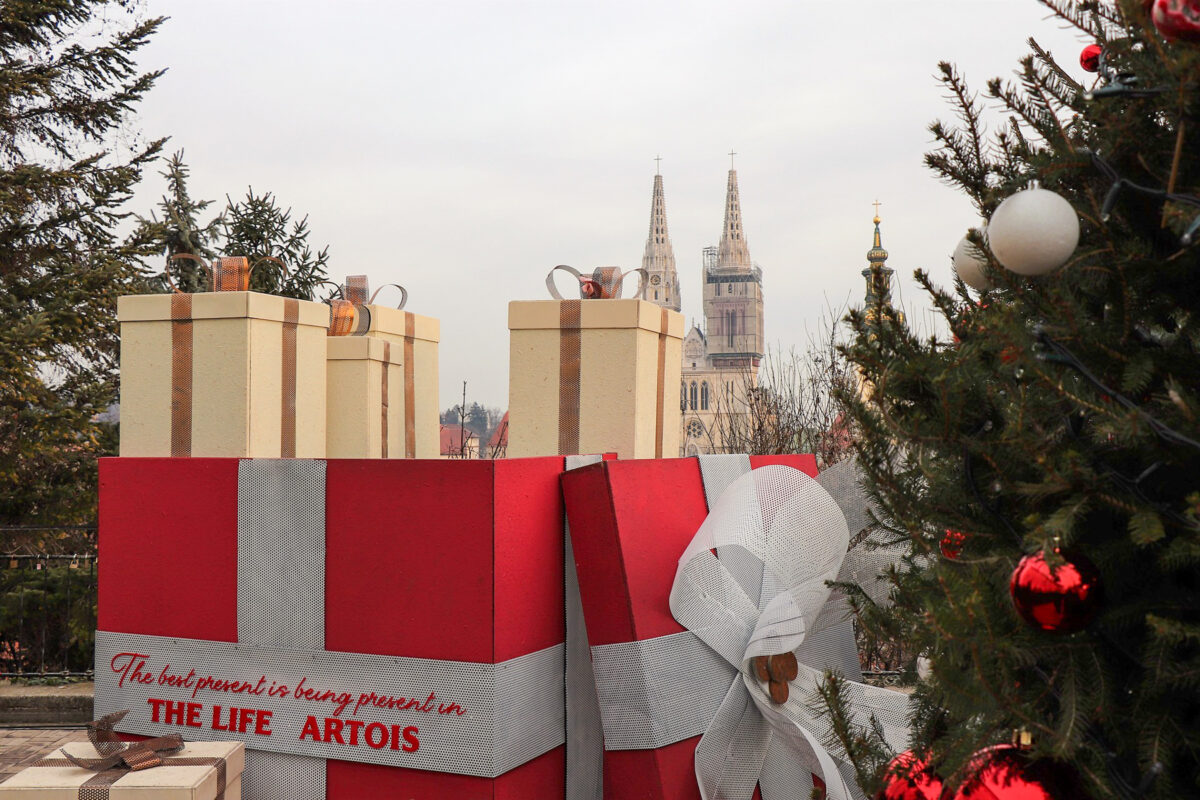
(450, 560)
(630, 521)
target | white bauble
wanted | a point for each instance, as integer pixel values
(970, 265)
(1033, 232)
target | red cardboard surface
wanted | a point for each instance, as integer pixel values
(630, 522)
(168, 547)
(458, 560)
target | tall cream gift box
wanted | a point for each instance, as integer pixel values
(594, 376)
(200, 771)
(382, 395)
(230, 373)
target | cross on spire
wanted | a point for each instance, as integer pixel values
(657, 165)
(877, 204)
(731, 155)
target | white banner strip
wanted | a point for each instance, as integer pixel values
(447, 716)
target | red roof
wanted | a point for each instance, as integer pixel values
(451, 436)
(499, 440)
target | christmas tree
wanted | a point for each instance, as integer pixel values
(69, 160)
(1042, 463)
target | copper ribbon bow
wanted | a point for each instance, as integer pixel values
(604, 284)
(118, 756)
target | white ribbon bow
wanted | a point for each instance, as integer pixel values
(780, 537)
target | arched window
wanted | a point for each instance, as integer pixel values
(704, 396)
(730, 325)
(683, 396)
(692, 396)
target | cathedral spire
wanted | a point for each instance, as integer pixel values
(733, 251)
(658, 259)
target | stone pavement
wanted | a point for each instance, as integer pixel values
(21, 747)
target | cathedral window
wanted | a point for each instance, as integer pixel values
(704, 396)
(656, 294)
(683, 395)
(692, 396)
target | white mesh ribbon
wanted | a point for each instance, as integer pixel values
(785, 521)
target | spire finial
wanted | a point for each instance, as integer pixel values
(731, 155)
(657, 165)
(877, 204)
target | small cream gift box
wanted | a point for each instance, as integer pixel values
(593, 376)
(200, 771)
(229, 373)
(382, 379)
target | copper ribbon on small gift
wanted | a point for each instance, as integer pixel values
(349, 315)
(227, 274)
(605, 283)
(118, 757)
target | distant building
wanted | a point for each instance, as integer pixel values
(720, 361)
(453, 444)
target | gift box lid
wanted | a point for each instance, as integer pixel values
(171, 781)
(361, 348)
(641, 314)
(394, 322)
(219, 305)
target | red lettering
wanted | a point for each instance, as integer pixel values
(354, 725)
(452, 708)
(129, 667)
(410, 737)
(376, 727)
(193, 715)
(245, 715)
(174, 713)
(259, 689)
(428, 704)
(333, 730)
(311, 730)
(155, 705)
(262, 725)
(216, 725)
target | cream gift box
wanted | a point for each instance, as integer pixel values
(593, 376)
(365, 399)
(178, 778)
(238, 374)
(383, 386)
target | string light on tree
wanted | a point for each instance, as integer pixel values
(1033, 232)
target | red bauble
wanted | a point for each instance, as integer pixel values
(907, 778)
(1089, 59)
(952, 544)
(1003, 773)
(1059, 600)
(1177, 19)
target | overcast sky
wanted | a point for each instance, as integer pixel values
(462, 149)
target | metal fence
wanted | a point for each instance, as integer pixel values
(47, 601)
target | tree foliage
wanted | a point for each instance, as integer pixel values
(1064, 414)
(68, 86)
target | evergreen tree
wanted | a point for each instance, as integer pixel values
(1063, 417)
(68, 84)
(180, 231)
(257, 228)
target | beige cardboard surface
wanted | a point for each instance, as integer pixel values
(167, 782)
(620, 388)
(354, 398)
(237, 399)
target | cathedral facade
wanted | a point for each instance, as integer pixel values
(720, 361)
